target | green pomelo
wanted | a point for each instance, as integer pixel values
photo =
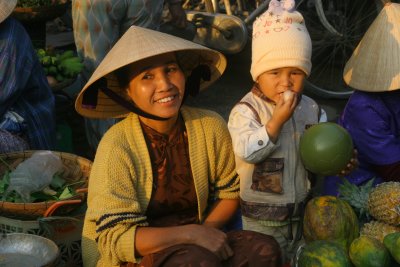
(326, 148)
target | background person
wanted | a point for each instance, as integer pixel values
(372, 113)
(26, 100)
(98, 25)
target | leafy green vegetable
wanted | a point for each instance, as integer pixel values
(67, 193)
(57, 182)
(40, 197)
(4, 182)
(13, 196)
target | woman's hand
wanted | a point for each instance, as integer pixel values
(353, 164)
(210, 238)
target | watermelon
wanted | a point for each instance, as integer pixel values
(332, 219)
(366, 251)
(321, 253)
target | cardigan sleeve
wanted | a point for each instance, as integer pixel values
(224, 178)
(114, 209)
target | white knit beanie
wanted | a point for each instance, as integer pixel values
(280, 39)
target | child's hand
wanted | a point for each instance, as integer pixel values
(353, 164)
(283, 111)
(285, 106)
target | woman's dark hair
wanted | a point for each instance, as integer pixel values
(124, 76)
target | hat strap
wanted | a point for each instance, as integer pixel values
(128, 105)
(193, 81)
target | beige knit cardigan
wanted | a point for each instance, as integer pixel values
(121, 181)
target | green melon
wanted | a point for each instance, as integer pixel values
(321, 253)
(366, 251)
(326, 148)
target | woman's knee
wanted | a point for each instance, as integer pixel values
(183, 255)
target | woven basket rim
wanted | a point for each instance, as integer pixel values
(41, 207)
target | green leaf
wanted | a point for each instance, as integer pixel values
(67, 193)
(4, 182)
(57, 182)
(40, 196)
(13, 197)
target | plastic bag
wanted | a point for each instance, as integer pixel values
(34, 174)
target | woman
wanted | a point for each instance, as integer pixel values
(27, 105)
(163, 182)
(372, 113)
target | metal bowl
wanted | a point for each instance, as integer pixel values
(19, 249)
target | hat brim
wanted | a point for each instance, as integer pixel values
(129, 50)
(6, 8)
(375, 63)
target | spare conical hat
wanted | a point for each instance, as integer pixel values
(6, 7)
(375, 63)
(135, 45)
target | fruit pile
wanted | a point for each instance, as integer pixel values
(360, 228)
(59, 66)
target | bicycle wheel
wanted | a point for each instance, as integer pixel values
(200, 5)
(336, 27)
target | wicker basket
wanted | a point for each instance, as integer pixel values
(75, 169)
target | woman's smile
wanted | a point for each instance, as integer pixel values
(166, 99)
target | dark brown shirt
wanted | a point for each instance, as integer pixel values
(173, 200)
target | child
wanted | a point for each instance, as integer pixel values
(372, 114)
(266, 126)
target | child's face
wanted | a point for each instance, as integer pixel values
(274, 82)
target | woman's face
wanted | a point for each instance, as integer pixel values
(157, 86)
(274, 83)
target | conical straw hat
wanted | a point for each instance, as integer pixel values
(6, 7)
(135, 45)
(375, 63)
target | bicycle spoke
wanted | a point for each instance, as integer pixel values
(332, 50)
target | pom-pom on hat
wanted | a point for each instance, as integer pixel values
(375, 63)
(6, 7)
(280, 39)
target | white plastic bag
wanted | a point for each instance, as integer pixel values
(34, 174)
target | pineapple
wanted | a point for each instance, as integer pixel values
(357, 197)
(384, 202)
(378, 229)
(381, 202)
